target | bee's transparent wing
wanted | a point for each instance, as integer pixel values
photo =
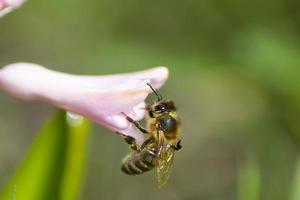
(164, 163)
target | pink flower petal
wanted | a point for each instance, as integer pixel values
(13, 3)
(2, 5)
(100, 98)
(7, 6)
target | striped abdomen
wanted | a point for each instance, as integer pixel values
(138, 162)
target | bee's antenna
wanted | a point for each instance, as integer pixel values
(159, 97)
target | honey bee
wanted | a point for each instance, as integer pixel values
(163, 128)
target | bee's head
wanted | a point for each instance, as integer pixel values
(161, 106)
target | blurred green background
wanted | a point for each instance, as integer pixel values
(234, 75)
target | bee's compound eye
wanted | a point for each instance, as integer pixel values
(160, 108)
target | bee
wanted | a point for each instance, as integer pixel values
(157, 151)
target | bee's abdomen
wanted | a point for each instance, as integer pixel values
(138, 162)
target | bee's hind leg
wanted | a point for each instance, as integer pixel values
(146, 142)
(135, 123)
(129, 140)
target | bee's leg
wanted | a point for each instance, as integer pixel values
(146, 142)
(132, 142)
(135, 123)
(129, 140)
(178, 146)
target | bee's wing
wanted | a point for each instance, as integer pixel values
(164, 163)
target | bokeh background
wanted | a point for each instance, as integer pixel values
(234, 75)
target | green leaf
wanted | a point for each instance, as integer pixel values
(53, 168)
(295, 192)
(249, 181)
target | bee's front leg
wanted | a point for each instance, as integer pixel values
(178, 146)
(135, 123)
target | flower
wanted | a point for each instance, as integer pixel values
(8, 5)
(100, 98)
